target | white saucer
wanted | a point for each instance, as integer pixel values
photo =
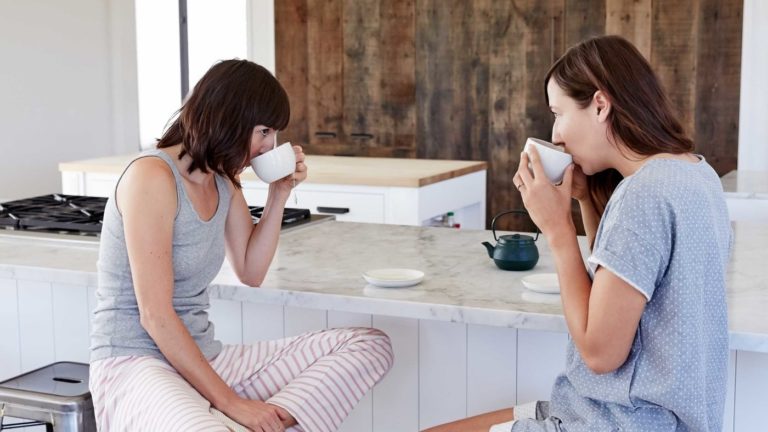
(544, 283)
(393, 277)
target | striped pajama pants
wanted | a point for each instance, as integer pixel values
(318, 377)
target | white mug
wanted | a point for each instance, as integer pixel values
(275, 164)
(553, 158)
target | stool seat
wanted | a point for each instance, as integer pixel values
(57, 394)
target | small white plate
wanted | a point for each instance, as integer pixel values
(393, 277)
(544, 283)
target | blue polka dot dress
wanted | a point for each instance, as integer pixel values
(666, 232)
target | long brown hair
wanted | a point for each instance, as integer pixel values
(641, 116)
(215, 124)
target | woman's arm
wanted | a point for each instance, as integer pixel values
(602, 315)
(250, 248)
(146, 197)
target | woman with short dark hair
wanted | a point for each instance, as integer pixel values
(174, 214)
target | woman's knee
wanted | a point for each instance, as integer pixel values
(379, 343)
(386, 343)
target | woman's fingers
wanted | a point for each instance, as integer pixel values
(535, 159)
(522, 169)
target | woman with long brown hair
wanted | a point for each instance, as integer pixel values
(647, 317)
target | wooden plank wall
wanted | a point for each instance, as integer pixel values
(460, 79)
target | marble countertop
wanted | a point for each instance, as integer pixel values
(320, 267)
(746, 184)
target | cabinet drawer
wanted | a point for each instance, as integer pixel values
(346, 206)
(350, 207)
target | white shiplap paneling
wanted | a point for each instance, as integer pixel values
(442, 372)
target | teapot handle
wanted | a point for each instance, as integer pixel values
(493, 222)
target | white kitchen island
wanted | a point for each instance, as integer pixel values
(355, 189)
(468, 339)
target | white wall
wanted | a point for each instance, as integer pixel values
(67, 88)
(261, 33)
(753, 108)
(217, 30)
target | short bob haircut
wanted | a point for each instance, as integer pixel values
(215, 124)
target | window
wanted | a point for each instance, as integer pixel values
(216, 30)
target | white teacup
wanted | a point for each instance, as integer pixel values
(553, 158)
(275, 164)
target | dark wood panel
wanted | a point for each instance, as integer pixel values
(396, 111)
(524, 38)
(325, 89)
(508, 125)
(392, 113)
(291, 65)
(453, 79)
(361, 72)
(718, 83)
(673, 55)
(632, 20)
(582, 19)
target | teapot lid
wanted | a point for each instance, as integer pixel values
(516, 238)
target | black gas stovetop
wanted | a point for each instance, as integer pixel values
(75, 214)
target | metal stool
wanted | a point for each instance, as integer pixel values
(56, 395)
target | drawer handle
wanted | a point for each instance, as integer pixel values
(333, 210)
(325, 134)
(361, 135)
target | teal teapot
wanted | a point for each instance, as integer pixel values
(513, 251)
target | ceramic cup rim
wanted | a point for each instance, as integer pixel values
(546, 144)
(274, 159)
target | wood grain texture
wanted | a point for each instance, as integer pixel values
(632, 20)
(291, 65)
(673, 55)
(453, 79)
(582, 19)
(361, 73)
(325, 90)
(379, 77)
(509, 85)
(398, 79)
(716, 114)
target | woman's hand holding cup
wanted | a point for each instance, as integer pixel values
(283, 167)
(548, 205)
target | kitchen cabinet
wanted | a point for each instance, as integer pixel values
(349, 70)
(354, 189)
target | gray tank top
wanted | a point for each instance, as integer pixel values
(198, 253)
